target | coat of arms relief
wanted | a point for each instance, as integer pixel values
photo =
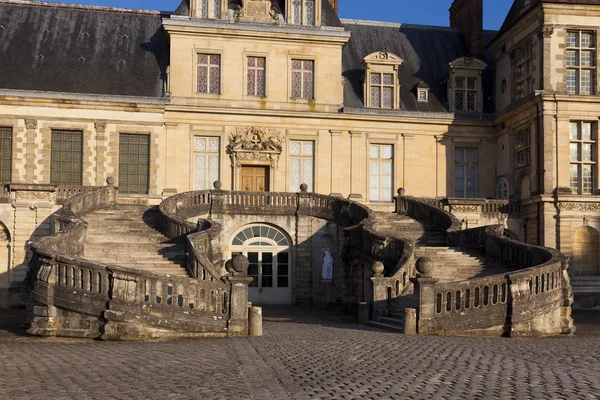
(255, 144)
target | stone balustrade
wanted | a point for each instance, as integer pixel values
(428, 210)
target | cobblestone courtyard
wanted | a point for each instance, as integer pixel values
(304, 354)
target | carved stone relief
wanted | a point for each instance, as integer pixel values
(257, 11)
(31, 123)
(30, 195)
(465, 209)
(100, 127)
(260, 144)
(570, 206)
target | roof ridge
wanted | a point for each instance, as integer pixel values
(82, 7)
(394, 24)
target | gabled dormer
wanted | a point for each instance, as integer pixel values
(465, 89)
(381, 87)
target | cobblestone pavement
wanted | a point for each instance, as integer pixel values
(304, 354)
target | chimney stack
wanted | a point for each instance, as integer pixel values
(334, 4)
(467, 15)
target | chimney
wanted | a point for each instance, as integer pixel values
(334, 4)
(467, 15)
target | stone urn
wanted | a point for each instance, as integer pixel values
(425, 266)
(377, 267)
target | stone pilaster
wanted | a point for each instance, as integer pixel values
(101, 149)
(30, 147)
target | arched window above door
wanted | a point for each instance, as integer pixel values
(260, 235)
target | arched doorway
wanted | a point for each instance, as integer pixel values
(586, 252)
(268, 249)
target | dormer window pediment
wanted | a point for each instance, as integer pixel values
(381, 87)
(465, 90)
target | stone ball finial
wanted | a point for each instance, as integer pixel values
(425, 266)
(110, 181)
(239, 262)
(401, 192)
(217, 185)
(377, 267)
(304, 187)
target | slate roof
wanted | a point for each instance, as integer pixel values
(80, 49)
(426, 51)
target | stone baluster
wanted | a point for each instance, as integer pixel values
(379, 301)
(238, 320)
(425, 295)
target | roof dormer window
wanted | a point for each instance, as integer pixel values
(212, 9)
(465, 92)
(304, 12)
(423, 95)
(381, 87)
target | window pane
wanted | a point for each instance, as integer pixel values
(574, 178)
(310, 12)
(307, 148)
(574, 128)
(295, 148)
(134, 163)
(375, 79)
(574, 151)
(386, 152)
(587, 179)
(472, 155)
(460, 83)
(571, 39)
(586, 131)
(586, 82)
(374, 151)
(376, 96)
(571, 58)
(586, 58)
(307, 173)
(588, 152)
(586, 40)
(571, 81)
(297, 84)
(460, 155)
(388, 97)
(388, 79)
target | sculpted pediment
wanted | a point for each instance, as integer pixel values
(467, 63)
(383, 57)
(260, 144)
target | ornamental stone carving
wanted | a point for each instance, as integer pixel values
(255, 144)
(546, 31)
(586, 220)
(571, 206)
(100, 127)
(257, 11)
(31, 123)
(465, 209)
(31, 195)
(4, 236)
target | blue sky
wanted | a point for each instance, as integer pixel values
(427, 12)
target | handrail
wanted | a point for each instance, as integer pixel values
(419, 208)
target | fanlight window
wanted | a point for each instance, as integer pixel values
(255, 235)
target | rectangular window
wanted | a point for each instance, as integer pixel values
(206, 159)
(303, 12)
(381, 172)
(465, 173)
(66, 157)
(302, 165)
(582, 153)
(382, 90)
(256, 76)
(581, 67)
(203, 9)
(523, 148)
(303, 79)
(523, 71)
(465, 94)
(209, 73)
(134, 163)
(5, 155)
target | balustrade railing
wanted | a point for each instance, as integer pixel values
(424, 209)
(65, 193)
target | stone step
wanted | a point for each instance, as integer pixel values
(382, 325)
(158, 248)
(390, 320)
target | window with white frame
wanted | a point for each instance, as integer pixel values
(381, 172)
(423, 95)
(303, 12)
(302, 161)
(582, 157)
(523, 64)
(523, 148)
(255, 81)
(206, 162)
(303, 80)
(581, 66)
(465, 173)
(465, 94)
(209, 73)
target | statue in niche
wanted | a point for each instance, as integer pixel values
(327, 272)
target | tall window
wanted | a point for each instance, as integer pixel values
(465, 94)
(583, 157)
(66, 157)
(203, 8)
(256, 76)
(301, 165)
(209, 73)
(303, 12)
(5, 154)
(303, 79)
(523, 71)
(206, 159)
(382, 90)
(465, 173)
(580, 62)
(381, 167)
(209, 9)
(134, 163)
(523, 148)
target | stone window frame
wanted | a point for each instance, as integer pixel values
(17, 154)
(245, 75)
(465, 68)
(154, 133)
(195, 53)
(196, 7)
(423, 95)
(80, 132)
(522, 59)
(301, 136)
(290, 13)
(381, 62)
(578, 67)
(580, 162)
(302, 57)
(149, 137)
(12, 151)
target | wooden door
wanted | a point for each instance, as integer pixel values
(255, 179)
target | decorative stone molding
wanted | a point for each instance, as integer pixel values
(100, 127)
(465, 209)
(255, 144)
(4, 237)
(257, 11)
(586, 220)
(27, 195)
(572, 206)
(31, 123)
(546, 31)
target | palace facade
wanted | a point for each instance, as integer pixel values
(267, 95)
